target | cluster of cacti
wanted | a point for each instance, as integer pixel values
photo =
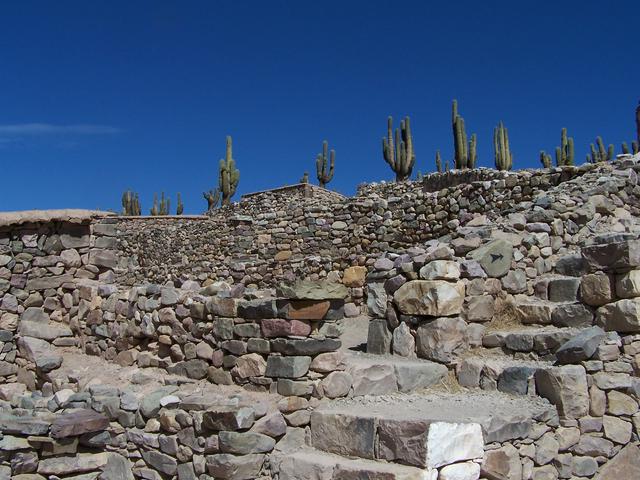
(634, 148)
(212, 197)
(565, 152)
(180, 207)
(229, 175)
(438, 162)
(130, 203)
(325, 164)
(599, 153)
(163, 208)
(399, 155)
(465, 153)
(305, 178)
(503, 155)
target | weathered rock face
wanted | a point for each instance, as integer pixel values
(441, 339)
(494, 257)
(430, 297)
(566, 388)
(621, 316)
(313, 290)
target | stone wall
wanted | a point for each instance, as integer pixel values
(275, 235)
(41, 259)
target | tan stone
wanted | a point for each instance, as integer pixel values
(283, 256)
(308, 309)
(354, 276)
(430, 297)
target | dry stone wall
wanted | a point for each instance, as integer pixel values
(277, 235)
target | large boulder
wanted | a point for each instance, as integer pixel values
(312, 290)
(621, 316)
(581, 347)
(494, 257)
(442, 338)
(430, 297)
(613, 255)
(566, 388)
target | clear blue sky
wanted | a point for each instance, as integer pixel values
(100, 96)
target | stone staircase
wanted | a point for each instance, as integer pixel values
(407, 437)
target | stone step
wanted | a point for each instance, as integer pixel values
(536, 311)
(541, 340)
(384, 374)
(424, 430)
(494, 371)
(312, 464)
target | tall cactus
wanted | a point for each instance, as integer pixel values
(400, 156)
(180, 207)
(503, 155)
(545, 159)
(229, 175)
(305, 178)
(438, 161)
(565, 152)
(154, 209)
(130, 203)
(600, 154)
(465, 153)
(212, 197)
(165, 205)
(325, 164)
(638, 123)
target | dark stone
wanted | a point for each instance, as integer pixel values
(308, 346)
(515, 380)
(581, 347)
(573, 265)
(78, 422)
(379, 337)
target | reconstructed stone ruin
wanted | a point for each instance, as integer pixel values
(478, 324)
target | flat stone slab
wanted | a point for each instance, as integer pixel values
(313, 464)
(78, 422)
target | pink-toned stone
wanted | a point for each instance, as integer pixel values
(278, 327)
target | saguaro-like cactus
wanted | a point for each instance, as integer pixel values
(165, 205)
(400, 156)
(325, 164)
(130, 203)
(599, 153)
(565, 152)
(638, 123)
(305, 178)
(438, 161)
(465, 153)
(503, 155)
(155, 210)
(212, 197)
(229, 175)
(634, 148)
(180, 207)
(545, 159)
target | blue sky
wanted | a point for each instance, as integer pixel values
(98, 97)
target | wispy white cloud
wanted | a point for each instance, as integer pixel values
(50, 129)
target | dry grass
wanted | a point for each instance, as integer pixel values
(504, 316)
(448, 384)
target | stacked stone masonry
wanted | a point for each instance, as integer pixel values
(504, 339)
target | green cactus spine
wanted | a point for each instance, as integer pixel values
(305, 178)
(599, 153)
(635, 148)
(565, 152)
(465, 153)
(325, 164)
(212, 197)
(180, 207)
(438, 162)
(503, 155)
(229, 175)
(154, 208)
(399, 155)
(130, 203)
(625, 148)
(545, 159)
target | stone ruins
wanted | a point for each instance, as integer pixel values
(477, 324)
